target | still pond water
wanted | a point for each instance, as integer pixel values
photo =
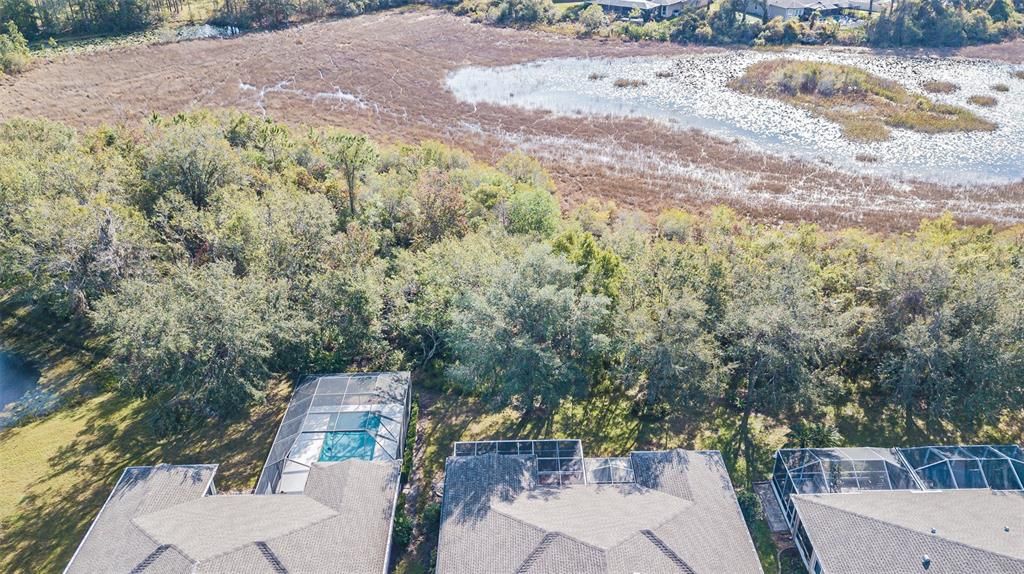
(691, 91)
(17, 378)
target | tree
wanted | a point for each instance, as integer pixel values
(14, 54)
(592, 18)
(600, 270)
(67, 255)
(353, 155)
(531, 210)
(805, 434)
(771, 343)
(1001, 10)
(23, 14)
(191, 157)
(201, 336)
(529, 336)
(668, 357)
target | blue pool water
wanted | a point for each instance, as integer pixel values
(343, 445)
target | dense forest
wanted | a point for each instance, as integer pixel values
(899, 23)
(210, 251)
(903, 23)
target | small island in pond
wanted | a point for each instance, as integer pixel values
(865, 105)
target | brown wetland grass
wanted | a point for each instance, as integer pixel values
(983, 101)
(940, 87)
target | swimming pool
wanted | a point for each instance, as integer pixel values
(347, 445)
(351, 435)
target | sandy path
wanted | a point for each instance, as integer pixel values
(384, 74)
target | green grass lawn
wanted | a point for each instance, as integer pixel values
(59, 468)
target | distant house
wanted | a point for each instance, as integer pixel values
(651, 9)
(803, 9)
(325, 501)
(522, 507)
(927, 510)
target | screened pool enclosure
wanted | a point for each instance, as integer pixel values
(559, 462)
(333, 418)
(999, 467)
(831, 470)
(826, 470)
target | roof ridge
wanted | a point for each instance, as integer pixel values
(546, 532)
(656, 526)
(251, 542)
(907, 529)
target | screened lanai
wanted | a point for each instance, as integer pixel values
(999, 467)
(333, 418)
(559, 461)
(828, 470)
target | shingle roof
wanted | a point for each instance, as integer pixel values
(890, 532)
(159, 519)
(681, 515)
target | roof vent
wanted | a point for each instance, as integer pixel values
(926, 562)
(1006, 529)
(933, 532)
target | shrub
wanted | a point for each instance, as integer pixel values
(1001, 88)
(14, 56)
(629, 83)
(983, 101)
(940, 87)
(750, 504)
(403, 525)
(592, 18)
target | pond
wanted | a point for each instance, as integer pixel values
(17, 379)
(203, 31)
(691, 91)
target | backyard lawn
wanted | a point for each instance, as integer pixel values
(59, 469)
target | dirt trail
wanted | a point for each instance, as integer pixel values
(384, 74)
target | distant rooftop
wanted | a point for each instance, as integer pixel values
(954, 531)
(540, 506)
(337, 517)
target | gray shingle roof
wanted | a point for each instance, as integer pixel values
(681, 515)
(160, 518)
(890, 532)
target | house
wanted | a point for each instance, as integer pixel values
(651, 9)
(933, 532)
(539, 506)
(325, 500)
(945, 509)
(803, 9)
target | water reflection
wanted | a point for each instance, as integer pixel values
(17, 378)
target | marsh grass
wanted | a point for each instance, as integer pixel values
(865, 105)
(629, 83)
(940, 87)
(983, 101)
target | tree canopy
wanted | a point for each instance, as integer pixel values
(214, 251)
